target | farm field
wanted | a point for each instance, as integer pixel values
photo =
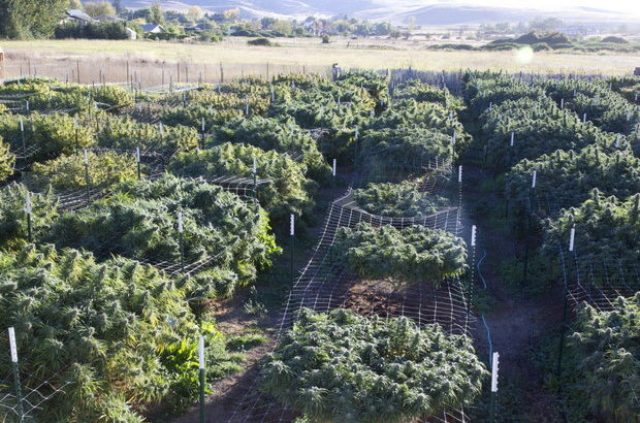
(120, 61)
(292, 245)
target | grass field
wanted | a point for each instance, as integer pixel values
(95, 61)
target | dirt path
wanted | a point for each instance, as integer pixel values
(517, 322)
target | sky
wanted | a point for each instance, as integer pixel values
(628, 7)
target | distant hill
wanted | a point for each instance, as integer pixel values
(396, 11)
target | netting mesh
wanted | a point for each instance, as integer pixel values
(324, 285)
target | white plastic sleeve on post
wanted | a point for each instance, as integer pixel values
(203, 124)
(12, 345)
(618, 141)
(28, 207)
(180, 223)
(201, 352)
(474, 231)
(21, 125)
(334, 169)
(86, 156)
(254, 166)
(562, 103)
(513, 136)
(27, 105)
(572, 238)
(460, 174)
(292, 225)
(495, 364)
(357, 134)
(534, 179)
(453, 138)
(584, 117)
(138, 154)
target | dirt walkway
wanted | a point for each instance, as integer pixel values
(517, 323)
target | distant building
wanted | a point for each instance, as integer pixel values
(132, 34)
(78, 16)
(153, 29)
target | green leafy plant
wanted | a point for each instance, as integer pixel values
(403, 199)
(344, 367)
(13, 216)
(413, 254)
(607, 347)
(7, 161)
(105, 169)
(105, 332)
(288, 189)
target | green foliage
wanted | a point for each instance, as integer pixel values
(402, 150)
(605, 108)
(568, 177)
(124, 133)
(411, 254)
(13, 217)
(30, 18)
(53, 134)
(403, 199)
(606, 228)
(607, 345)
(421, 92)
(283, 137)
(7, 161)
(288, 189)
(485, 90)
(109, 330)
(538, 127)
(68, 172)
(140, 221)
(348, 368)
(48, 95)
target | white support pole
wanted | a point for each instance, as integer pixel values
(292, 225)
(137, 154)
(584, 117)
(13, 347)
(534, 178)
(201, 352)
(562, 103)
(474, 231)
(180, 223)
(512, 140)
(572, 238)
(334, 168)
(495, 367)
(460, 174)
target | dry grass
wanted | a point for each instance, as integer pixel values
(60, 59)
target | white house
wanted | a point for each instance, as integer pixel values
(153, 29)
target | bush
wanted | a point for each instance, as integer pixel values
(13, 217)
(7, 161)
(265, 42)
(140, 222)
(403, 199)
(106, 332)
(287, 191)
(69, 172)
(412, 254)
(93, 31)
(283, 137)
(53, 134)
(346, 368)
(607, 347)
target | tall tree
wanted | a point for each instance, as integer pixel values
(102, 8)
(156, 14)
(30, 18)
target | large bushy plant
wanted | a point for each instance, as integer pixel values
(344, 367)
(412, 254)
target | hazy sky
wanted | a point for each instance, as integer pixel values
(629, 7)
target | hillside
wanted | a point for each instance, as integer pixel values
(436, 13)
